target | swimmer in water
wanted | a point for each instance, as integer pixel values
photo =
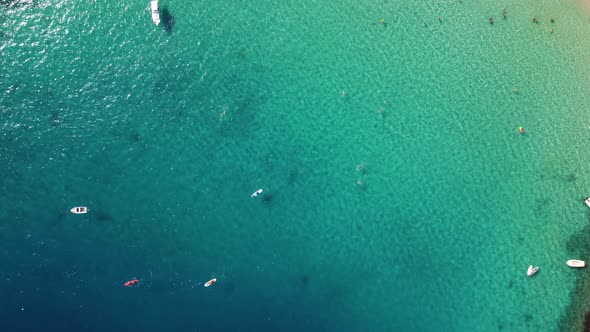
(360, 166)
(521, 129)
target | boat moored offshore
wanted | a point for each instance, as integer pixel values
(79, 210)
(576, 263)
(155, 7)
(532, 270)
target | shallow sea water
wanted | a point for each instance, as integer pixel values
(164, 132)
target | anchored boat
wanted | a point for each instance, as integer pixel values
(256, 193)
(155, 11)
(587, 201)
(210, 282)
(576, 263)
(532, 270)
(79, 210)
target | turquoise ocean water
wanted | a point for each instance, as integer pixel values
(398, 193)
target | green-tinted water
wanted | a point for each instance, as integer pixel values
(164, 132)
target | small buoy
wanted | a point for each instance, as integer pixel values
(521, 129)
(382, 21)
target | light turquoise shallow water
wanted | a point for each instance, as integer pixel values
(164, 132)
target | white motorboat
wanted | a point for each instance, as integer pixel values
(576, 263)
(155, 6)
(587, 201)
(256, 193)
(532, 270)
(79, 210)
(210, 282)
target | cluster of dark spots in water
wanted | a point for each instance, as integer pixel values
(267, 198)
(571, 178)
(511, 284)
(500, 327)
(229, 287)
(292, 177)
(61, 216)
(242, 54)
(528, 317)
(55, 118)
(301, 282)
(103, 216)
(135, 137)
(304, 279)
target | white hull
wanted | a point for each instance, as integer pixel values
(155, 7)
(79, 210)
(532, 270)
(587, 201)
(576, 263)
(210, 282)
(256, 193)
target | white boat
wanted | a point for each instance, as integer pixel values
(155, 11)
(532, 270)
(256, 193)
(587, 201)
(79, 210)
(576, 263)
(210, 282)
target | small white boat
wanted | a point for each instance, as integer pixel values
(576, 263)
(79, 210)
(587, 201)
(155, 6)
(210, 282)
(532, 270)
(256, 193)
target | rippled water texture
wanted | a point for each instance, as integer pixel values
(398, 193)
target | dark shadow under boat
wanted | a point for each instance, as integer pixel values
(167, 20)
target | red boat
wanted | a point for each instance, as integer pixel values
(131, 283)
(210, 282)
